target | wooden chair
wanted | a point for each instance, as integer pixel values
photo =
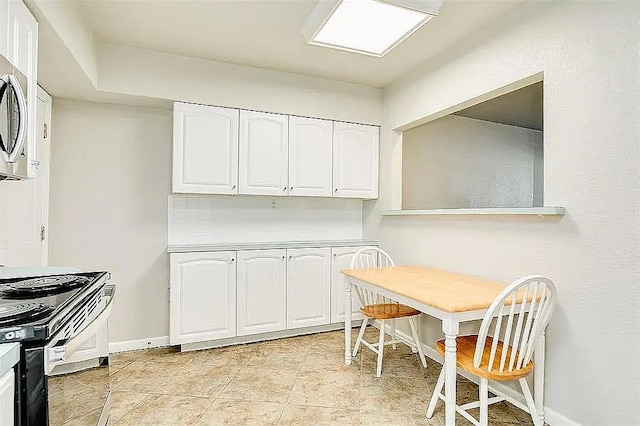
(508, 353)
(377, 307)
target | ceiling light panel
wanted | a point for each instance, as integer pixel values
(368, 26)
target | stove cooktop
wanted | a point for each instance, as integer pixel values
(33, 308)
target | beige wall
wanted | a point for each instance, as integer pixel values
(588, 53)
(111, 177)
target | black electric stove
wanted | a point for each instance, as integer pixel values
(50, 316)
(35, 308)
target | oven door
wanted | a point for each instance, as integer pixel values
(79, 391)
(13, 122)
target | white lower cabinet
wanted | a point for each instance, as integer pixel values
(341, 259)
(7, 390)
(261, 291)
(203, 296)
(308, 287)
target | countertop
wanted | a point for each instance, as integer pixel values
(9, 356)
(187, 248)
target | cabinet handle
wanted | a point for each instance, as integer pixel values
(233, 187)
(282, 257)
(335, 255)
(232, 260)
(290, 257)
(291, 188)
(336, 190)
(284, 189)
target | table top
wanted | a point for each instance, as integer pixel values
(447, 291)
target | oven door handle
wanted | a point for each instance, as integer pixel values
(55, 355)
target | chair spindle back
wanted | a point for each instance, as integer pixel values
(527, 302)
(371, 257)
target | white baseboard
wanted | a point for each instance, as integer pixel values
(133, 345)
(551, 417)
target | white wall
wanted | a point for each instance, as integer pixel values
(111, 177)
(588, 53)
(459, 162)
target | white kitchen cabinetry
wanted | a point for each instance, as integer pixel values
(205, 149)
(7, 391)
(22, 51)
(310, 157)
(341, 259)
(264, 144)
(261, 291)
(4, 28)
(203, 296)
(308, 287)
(355, 160)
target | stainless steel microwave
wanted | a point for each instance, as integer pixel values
(13, 122)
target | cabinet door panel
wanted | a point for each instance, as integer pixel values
(203, 297)
(341, 259)
(4, 29)
(355, 160)
(7, 394)
(261, 291)
(310, 157)
(205, 149)
(263, 167)
(308, 287)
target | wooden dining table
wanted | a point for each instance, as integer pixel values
(452, 298)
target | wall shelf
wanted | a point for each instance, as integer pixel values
(530, 211)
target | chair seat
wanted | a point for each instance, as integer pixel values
(465, 349)
(388, 311)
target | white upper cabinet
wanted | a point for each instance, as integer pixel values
(261, 291)
(4, 28)
(22, 38)
(341, 259)
(263, 167)
(205, 149)
(355, 160)
(308, 287)
(22, 51)
(310, 157)
(203, 297)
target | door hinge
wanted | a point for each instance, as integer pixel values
(46, 131)
(42, 233)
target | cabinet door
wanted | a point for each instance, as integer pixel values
(355, 160)
(308, 287)
(341, 259)
(261, 291)
(4, 28)
(202, 297)
(263, 153)
(22, 49)
(310, 157)
(7, 391)
(205, 149)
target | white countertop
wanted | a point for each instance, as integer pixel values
(187, 248)
(9, 356)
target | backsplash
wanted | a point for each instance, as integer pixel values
(215, 219)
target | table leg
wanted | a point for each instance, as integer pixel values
(538, 377)
(451, 328)
(347, 322)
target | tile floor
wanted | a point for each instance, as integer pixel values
(293, 381)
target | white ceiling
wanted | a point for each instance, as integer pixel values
(266, 34)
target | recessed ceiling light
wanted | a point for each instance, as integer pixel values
(372, 27)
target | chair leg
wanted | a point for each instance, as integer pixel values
(416, 340)
(365, 321)
(436, 394)
(393, 333)
(484, 402)
(530, 402)
(380, 349)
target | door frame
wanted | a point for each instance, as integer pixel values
(43, 96)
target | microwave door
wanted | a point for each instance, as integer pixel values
(5, 116)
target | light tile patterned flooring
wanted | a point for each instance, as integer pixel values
(293, 381)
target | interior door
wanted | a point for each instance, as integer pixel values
(24, 204)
